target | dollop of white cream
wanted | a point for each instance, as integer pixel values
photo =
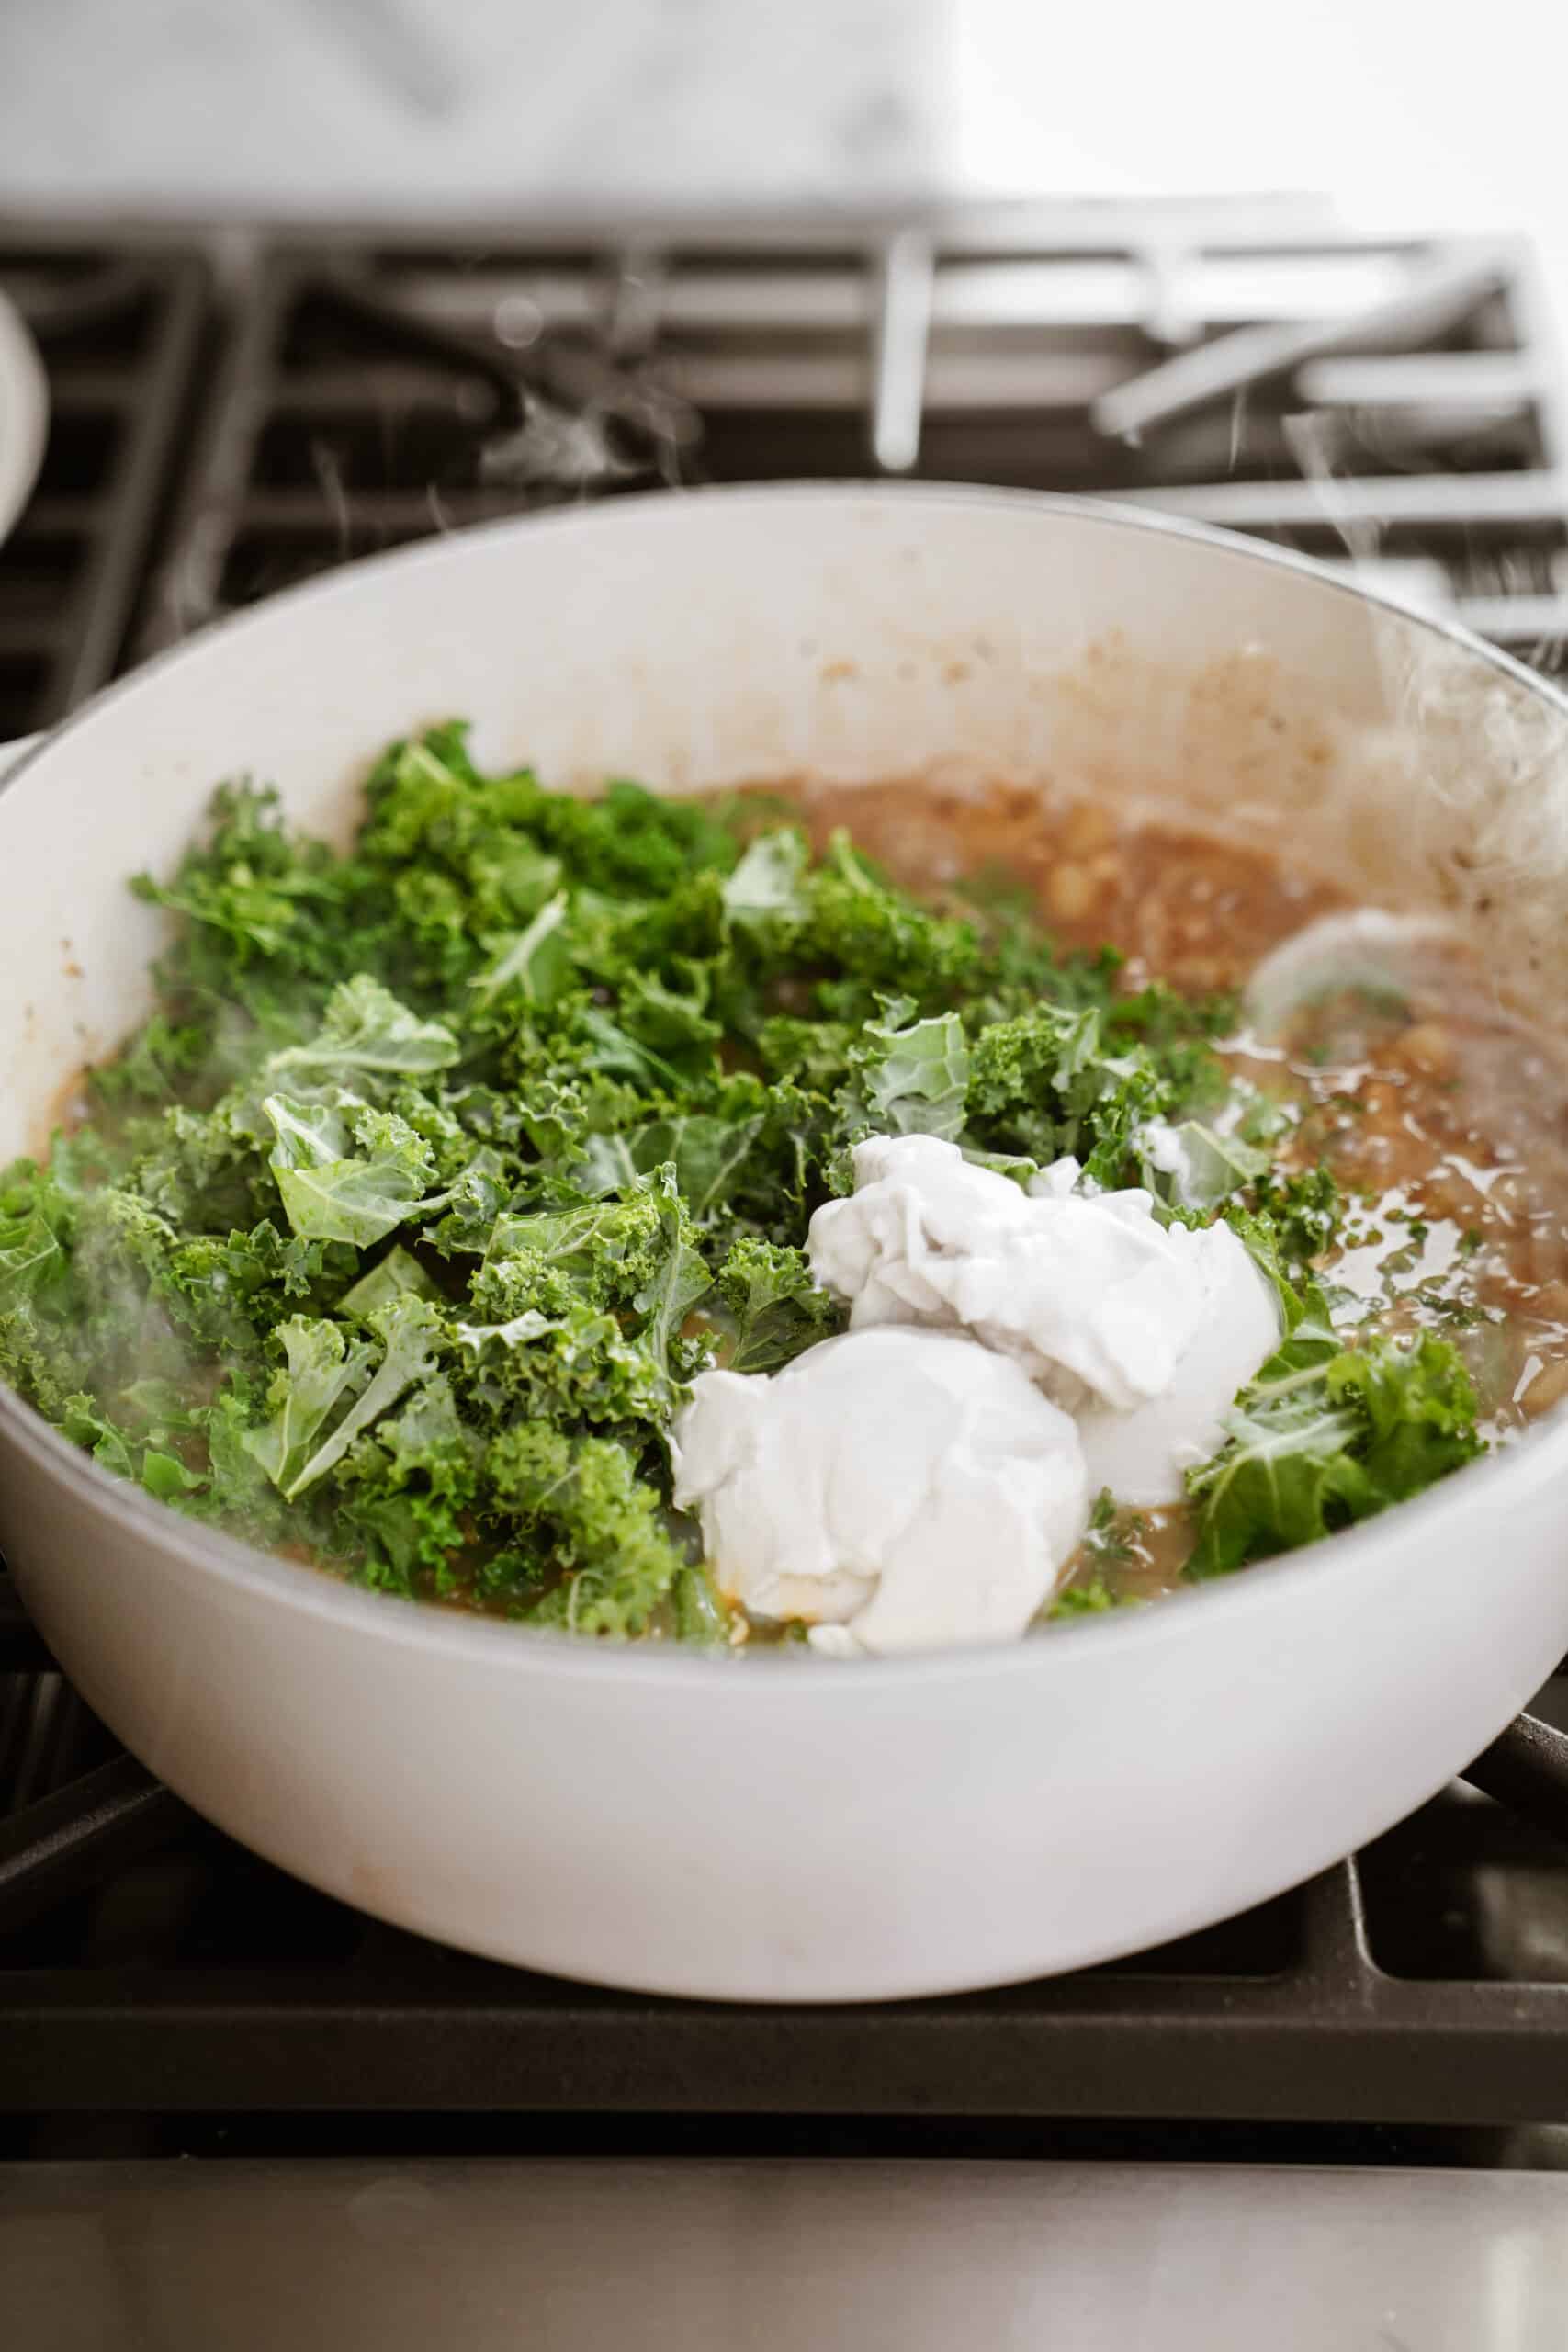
(1147, 1331)
(1091, 1295)
(1163, 1148)
(896, 1489)
(1144, 1456)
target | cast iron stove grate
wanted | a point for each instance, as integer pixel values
(119, 332)
(363, 393)
(1396, 404)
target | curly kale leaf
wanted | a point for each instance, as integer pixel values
(29, 1255)
(1043, 1085)
(411, 1484)
(870, 939)
(1193, 1168)
(706, 1150)
(1304, 1206)
(332, 1194)
(1325, 1436)
(396, 1275)
(536, 961)
(679, 1281)
(773, 1308)
(770, 880)
(583, 1499)
(910, 1077)
(324, 1370)
(366, 1035)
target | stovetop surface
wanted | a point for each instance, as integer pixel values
(229, 418)
(709, 2256)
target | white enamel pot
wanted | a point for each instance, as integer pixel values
(784, 1828)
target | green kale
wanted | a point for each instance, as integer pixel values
(913, 1075)
(770, 880)
(537, 962)
(365, 1036)
(1089, 1599)
(1304, 1206)
(862, 930)
(773, 1308)
(583, 1498)
(1200, 1169)
(410, 1486)
(29, 1255)
(328, 1194)
(700, 1619)
(323, 1370)
(1042, 1085)
(1114, 1541)
(707, 1150)
(1329, 1435)
(678, 1281)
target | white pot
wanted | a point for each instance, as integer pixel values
(786, 1828)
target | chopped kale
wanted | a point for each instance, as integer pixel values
(1328, 1434)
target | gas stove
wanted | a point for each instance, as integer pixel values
(232, 415)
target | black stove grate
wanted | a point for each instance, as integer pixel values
(221, 431)
(120, 336)
(1397, 406)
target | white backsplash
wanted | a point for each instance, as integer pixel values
(507, 106)
(410, 104)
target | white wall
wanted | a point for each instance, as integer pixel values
(1408, 110)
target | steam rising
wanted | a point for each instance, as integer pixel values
(1458, 800)
(1473, 769)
